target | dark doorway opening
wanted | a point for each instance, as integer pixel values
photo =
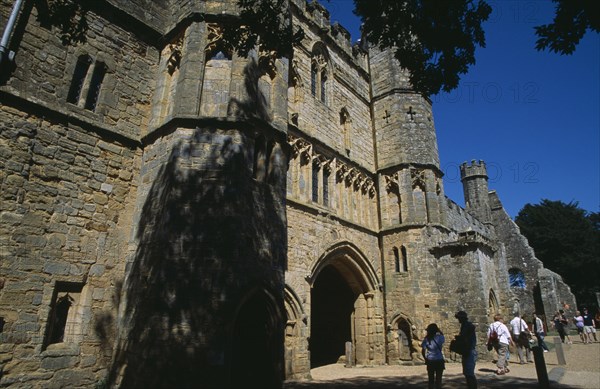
(332, 304)
(538, 303)
(257, 351)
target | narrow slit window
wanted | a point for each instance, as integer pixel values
(325, 187)
(313, 79)
(95, 85)
(323, 86)
(79, 75)
(315, 182)
(396, 260)
(404, 259)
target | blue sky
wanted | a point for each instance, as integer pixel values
(534, 117)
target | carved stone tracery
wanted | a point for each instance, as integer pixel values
(215, 35)
(175, 50)
(418, 179)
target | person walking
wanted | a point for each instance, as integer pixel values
(469, 357)
(518, 327)
(589, 327)
(504, 340)
(431, 347)
(538, 330)
(560, 323)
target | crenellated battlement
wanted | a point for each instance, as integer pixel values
(474, 169)
(318, 13)
(319, 16)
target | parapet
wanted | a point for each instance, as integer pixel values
(318, 14)
(475, 169)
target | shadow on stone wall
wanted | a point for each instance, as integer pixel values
(203, 298)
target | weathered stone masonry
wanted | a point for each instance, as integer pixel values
(173, 214)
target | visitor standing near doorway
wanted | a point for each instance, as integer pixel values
(469, 357)
(431, 347)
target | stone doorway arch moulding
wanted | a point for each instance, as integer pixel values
(366, 278)
(367, 324)
(296, 342)
(404, 346)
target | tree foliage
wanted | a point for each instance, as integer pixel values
(435, 40)
(263, 24)
(566, 239)
(70, 17)
(572, 20)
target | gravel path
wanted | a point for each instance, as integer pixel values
(581, 371)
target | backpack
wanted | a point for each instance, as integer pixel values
(493, 339)
(458, 345)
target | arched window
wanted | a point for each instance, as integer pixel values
(217, 75)
(404, 259)
(315, 181)
(516, 278)
(313, 79)
(86, 83)
(318, 72)
(346, 129)
(323, 86)
(326, 174)
(95, 85)
(81, 71)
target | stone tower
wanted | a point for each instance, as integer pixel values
(475, 186)
(406, 147)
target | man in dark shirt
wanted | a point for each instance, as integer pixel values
(467, 332)
(589, 329)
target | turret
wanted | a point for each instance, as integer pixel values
(406, 146)
(475, 186)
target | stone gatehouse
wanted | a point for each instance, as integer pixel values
(174, 214)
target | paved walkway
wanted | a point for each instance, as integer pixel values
(581, 371)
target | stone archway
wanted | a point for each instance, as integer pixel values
(403, 347)
(345, 307)
(296, 345)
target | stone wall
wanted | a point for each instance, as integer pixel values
(68, 193)
(553, 294)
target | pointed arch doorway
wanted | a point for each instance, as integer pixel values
(256, 358)
(332, 303)
(344, 303)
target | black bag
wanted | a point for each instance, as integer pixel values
(458, 345)
(523, 338)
